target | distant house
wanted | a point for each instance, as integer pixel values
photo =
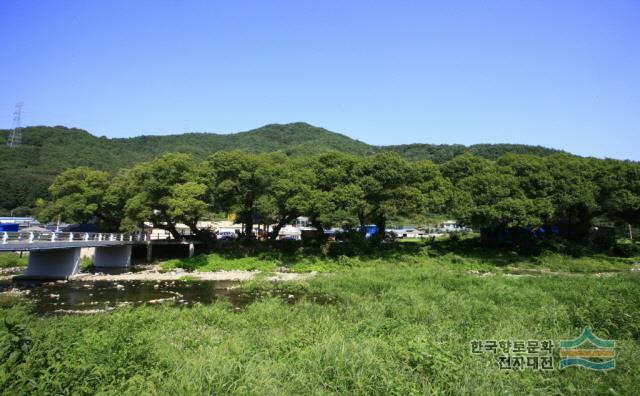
(161, 233)
(302, 222)
(408, 232)
(290, 232)
(34, 229)
(449, 225)
(226, 226)
(415, 233)
(22, 222)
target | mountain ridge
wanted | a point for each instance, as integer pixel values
(26, 172)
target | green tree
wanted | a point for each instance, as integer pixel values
(372, 189)
(392, 186)
(534, 177)
(574, 194)
(464, 166)
(494, 199)
(620, 191)
(77, 196)
(332, 189)
(121, 188)
(286, 194)
(169, 190)
(238, 181)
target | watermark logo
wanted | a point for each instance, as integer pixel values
(517, 354)
(588, 351)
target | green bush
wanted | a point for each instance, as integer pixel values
(627, 250)
(8, 260)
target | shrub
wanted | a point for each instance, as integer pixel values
(12, 260)
(627, 250)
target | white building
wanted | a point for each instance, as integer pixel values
(290, 232)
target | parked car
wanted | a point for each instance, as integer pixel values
(227, 236)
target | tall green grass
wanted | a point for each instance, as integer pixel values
(394, 327)
(217, 262)
(444, 253)
(12, 260)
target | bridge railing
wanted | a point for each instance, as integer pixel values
(59, 237)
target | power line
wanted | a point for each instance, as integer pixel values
(15, 137)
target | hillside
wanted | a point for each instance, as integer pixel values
(25, 173)
(440, 153)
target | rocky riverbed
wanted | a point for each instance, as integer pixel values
(151, 273)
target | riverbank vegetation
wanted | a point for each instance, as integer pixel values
(399, 323)
(469, 254)
(10, 259)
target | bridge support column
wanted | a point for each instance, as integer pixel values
(53, 263)
(149, 251)
(112, 256)
(192, 250)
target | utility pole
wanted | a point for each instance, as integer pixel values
(15, 136)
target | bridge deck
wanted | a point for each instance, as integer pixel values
(26, 246)
(15, 242)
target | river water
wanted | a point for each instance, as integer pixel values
(85, 297)
(100, 296)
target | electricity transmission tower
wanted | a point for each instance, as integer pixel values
(15, 136)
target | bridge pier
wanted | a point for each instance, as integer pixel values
(112, 256)
(53, 264)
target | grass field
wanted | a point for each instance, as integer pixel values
(397, 324)
(12, 260)
(460, 255)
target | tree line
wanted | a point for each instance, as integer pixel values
(26, 172)
(338, 189)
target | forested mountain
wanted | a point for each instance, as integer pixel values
(26, 172)
(440, 153)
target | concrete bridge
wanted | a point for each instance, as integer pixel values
(55, 255)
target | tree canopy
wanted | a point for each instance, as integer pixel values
(339, 189)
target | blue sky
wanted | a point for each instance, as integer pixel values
(563, 74)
